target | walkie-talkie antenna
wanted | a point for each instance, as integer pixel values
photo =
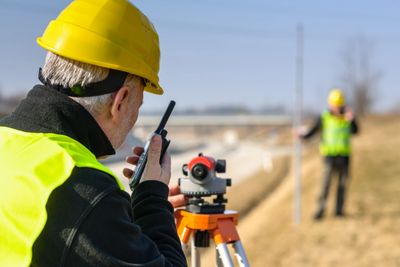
(165, 117)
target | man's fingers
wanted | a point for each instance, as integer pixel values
(132, 159)
(174, 190)
(128, 173)
(137, 150)
(177, 201)
(175, 197)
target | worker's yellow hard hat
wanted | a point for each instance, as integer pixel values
(112, 34)
(336, 98)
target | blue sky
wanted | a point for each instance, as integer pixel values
(229, 51)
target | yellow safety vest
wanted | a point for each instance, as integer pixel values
(336, 135)
(32, 165)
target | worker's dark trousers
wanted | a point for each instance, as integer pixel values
(334, 165)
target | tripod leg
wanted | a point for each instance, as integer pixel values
(195, 255)
(218, 260)
(240, 254)
(225, 257)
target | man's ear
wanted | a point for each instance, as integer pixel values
(119, 103)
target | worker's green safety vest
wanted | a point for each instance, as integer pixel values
(335, 139)
(32, 165)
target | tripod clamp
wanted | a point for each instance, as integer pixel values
(221, 227)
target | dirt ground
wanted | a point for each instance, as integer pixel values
(368, 236)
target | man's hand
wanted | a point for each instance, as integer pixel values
(348, 115)
(299, 132)
(153, 169)
(175, 197)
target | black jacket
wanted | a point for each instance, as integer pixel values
(91, 222)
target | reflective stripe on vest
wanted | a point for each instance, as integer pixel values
(32, 165)
(335, 139)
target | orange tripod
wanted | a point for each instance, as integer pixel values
(222, 229)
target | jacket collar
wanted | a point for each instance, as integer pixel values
(49, 111)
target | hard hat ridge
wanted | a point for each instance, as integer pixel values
(336, 98)
(113, 34)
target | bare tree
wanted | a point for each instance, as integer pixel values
(359, 75)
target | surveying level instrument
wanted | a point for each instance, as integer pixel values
(202, 220)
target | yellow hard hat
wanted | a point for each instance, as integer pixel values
(112, 34)
(336, 98)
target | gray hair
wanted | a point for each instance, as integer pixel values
(59, 70)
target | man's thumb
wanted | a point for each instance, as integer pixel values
(155, 149)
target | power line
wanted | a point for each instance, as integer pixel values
(196, 28)
(193, 27)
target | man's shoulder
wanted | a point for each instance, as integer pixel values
(97, 180)
(324, 113)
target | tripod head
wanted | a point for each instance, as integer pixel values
(201, 181)
(208, 220)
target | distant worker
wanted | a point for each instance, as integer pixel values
(58, 205)
(336, 126)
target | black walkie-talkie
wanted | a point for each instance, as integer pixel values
(135, 179)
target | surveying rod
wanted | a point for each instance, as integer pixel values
(297, 120)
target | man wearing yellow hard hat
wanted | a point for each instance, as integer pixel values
(336, 125)
(58, 205)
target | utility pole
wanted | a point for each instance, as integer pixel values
(297, 121)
